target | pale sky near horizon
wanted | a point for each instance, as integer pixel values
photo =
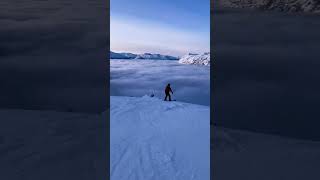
(174, 27)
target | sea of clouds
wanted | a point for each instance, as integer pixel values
(190, 83)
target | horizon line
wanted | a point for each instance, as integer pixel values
(138, 53)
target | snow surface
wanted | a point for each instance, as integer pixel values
(239, 154)
(54, 145)
(200, 59)
(156, 139)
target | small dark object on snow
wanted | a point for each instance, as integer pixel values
(152, 95)
(167, 92)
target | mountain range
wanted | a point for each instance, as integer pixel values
(124, 55)
(304, 6)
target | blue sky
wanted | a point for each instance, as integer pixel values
(173, 27)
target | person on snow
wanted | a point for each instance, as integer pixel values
(167, 91)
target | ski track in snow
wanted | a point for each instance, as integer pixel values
(149, 139)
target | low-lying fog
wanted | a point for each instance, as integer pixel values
(190, 83)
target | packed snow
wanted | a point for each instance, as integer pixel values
(200, 59)
(156, 139)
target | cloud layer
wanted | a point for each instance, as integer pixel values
(266, 72)
(53, 55)
(189, 83)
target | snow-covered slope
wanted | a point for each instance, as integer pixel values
(155, 56)
(201, 59)
(308, 6)
(114, 55)
(156, 139)
(52, 145)
(239, 154)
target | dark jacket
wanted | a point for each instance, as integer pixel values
(168, 90)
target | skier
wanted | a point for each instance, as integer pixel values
(167, 91)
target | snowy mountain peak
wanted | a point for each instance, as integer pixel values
(200, 59)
